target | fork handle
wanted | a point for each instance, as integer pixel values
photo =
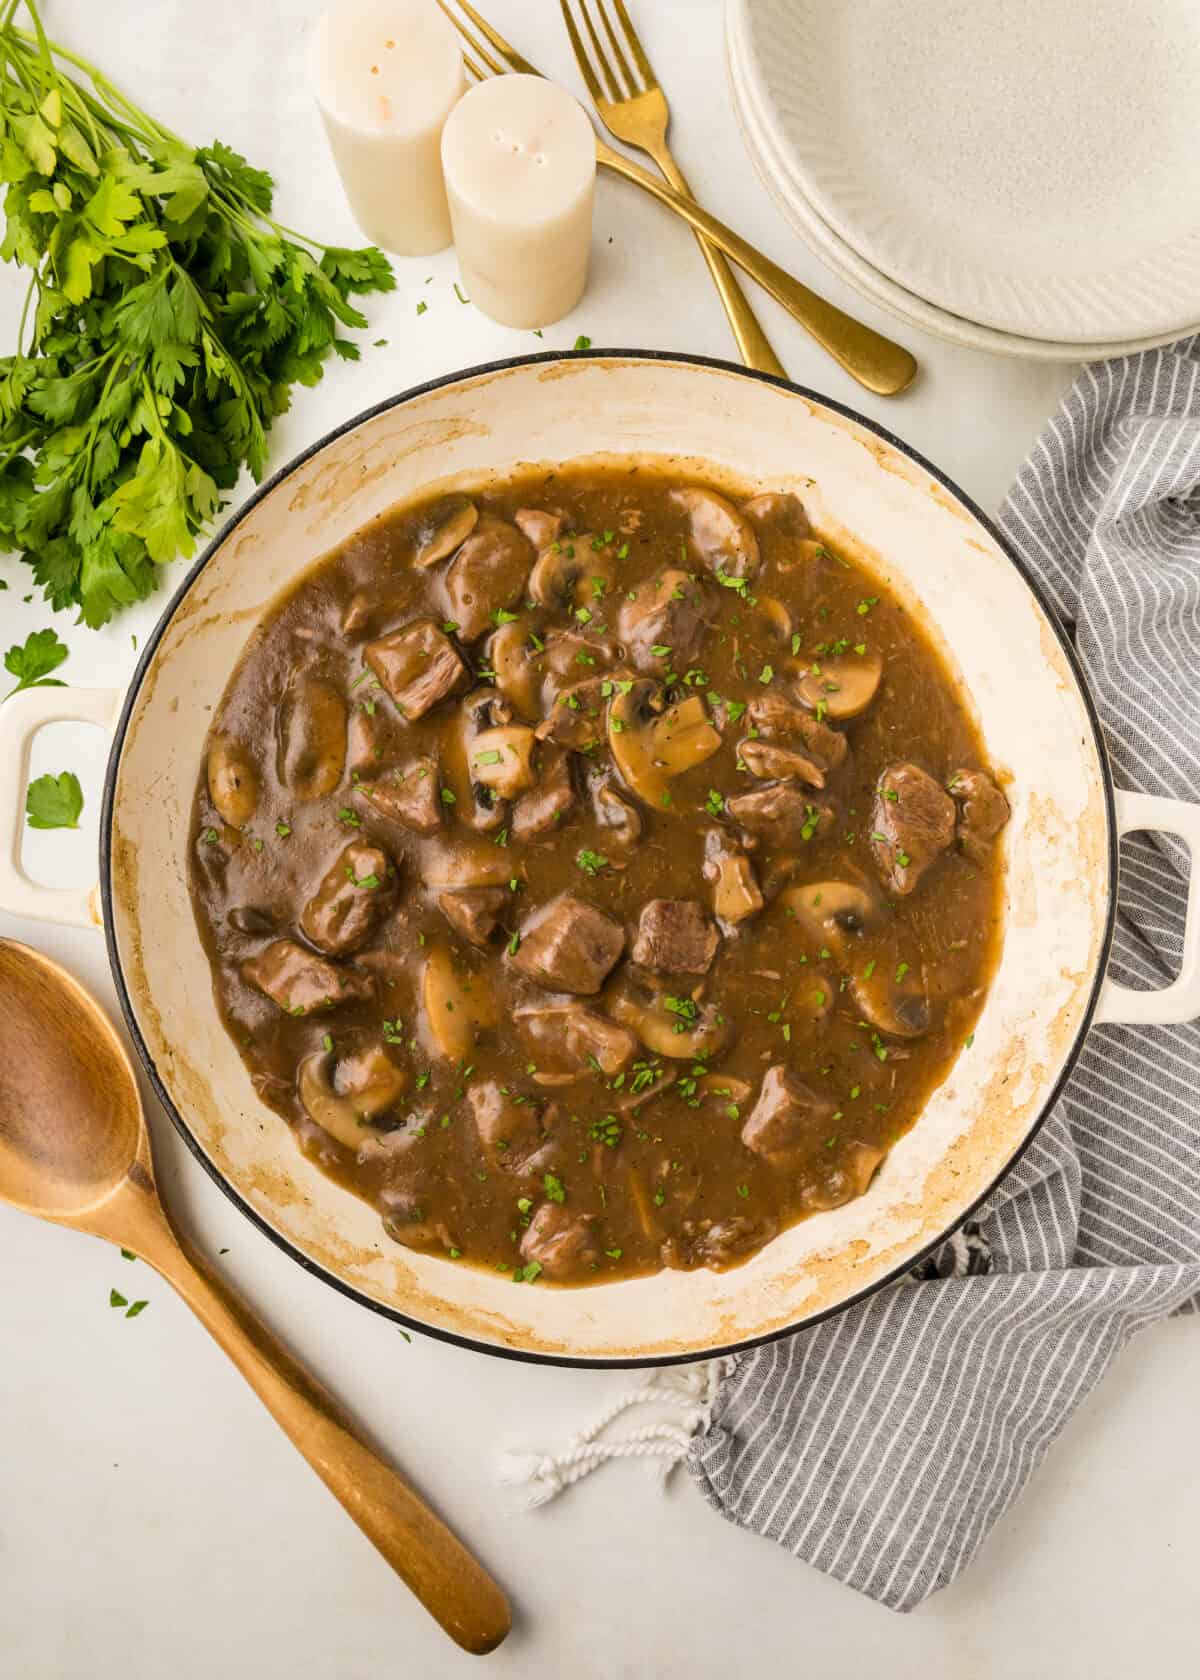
(752, 341)
(876, 362)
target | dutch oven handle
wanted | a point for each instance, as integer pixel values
(21, 717)
(1180, 1001)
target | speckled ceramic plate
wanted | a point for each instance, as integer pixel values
(773, 169)
(1006, 163)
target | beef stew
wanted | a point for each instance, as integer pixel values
(597, 871)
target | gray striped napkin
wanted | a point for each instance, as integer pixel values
(882, 1446)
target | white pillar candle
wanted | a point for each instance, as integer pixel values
(519, 157)
(387, 74)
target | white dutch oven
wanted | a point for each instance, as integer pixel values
(935, 549)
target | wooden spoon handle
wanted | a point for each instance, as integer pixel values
(455, 1588)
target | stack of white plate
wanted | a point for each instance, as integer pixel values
(1016, 176)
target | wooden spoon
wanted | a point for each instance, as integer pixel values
(74, 1149)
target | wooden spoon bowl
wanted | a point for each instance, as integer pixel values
(74, 1149)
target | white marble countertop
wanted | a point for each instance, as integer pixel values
(153, 1522)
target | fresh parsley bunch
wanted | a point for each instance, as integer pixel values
(167, 319)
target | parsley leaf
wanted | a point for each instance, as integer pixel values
(54, 801)
(32, 662)
(173, 315)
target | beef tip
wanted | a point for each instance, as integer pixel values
(778, 514)
(569, 946)
(781, 814)
(406, 794)
(541, 528)
(511, 1127)
(911, 825)
(676, 936)
(568, 658)
(788, 1120)
(716, 1242)
(418, 666)
(621, 823)
(673, 611)
(350, 900)
(544, 806)
(473, 911)
(721, 538)
(559, 1245)
(301, 982)
(489, 573)
(983, 811)
(572, 1039)
(577, 716)
(777, 720)
(372, 739)
(787, 764)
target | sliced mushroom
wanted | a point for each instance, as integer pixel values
(233, 783)
(540, 527)
(736, 892)
(343, 1097)
(898, 1007)
(487, 575)
(516, 663)
(650, 746)
(834, 913)
(311, 738)
(471, 800)
(441, 528)
(574, 572)
(722, 539)
(777, 615)
(777, 513)
(457, 1003)
(724, 1088)
(841, 686)
(676, 1027)
(502, 759)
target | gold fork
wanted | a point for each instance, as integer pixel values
(640, 117)
(876, 362)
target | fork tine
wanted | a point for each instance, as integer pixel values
(616, 91)
(631, 81)
(474, 69)
(494, 39)
(635, 46)
(493, 64)
(581, 57)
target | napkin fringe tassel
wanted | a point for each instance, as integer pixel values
(686, 1396)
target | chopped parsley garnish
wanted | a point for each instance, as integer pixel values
(554, 1188)
(591, 862)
